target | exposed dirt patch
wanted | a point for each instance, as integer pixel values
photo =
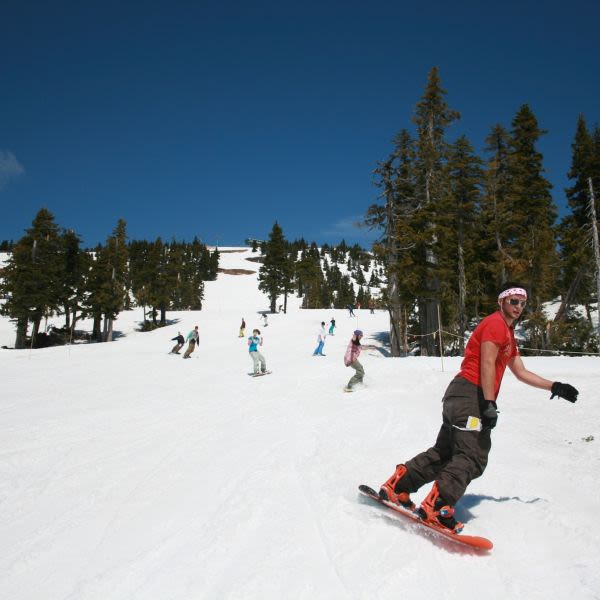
(231, 251)
(236, 271)
(257, 259)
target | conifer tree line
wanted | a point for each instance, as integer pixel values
(48, 274)
(314, 273)
(455, 225)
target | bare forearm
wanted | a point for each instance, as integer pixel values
(534, 380)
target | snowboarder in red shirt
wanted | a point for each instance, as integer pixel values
(460, 452)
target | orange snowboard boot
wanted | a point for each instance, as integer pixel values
(390, 490)
(434, 509)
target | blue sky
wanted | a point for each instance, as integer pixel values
(216, 119)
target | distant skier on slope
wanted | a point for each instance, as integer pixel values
(193, 339)
(179, 345)
(331, 326)
(321, 335)
(460, 453)
(259, 363)
(243, 328)
(351, 360)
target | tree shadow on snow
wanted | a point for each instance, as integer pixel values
(383, 337)
(148, 325)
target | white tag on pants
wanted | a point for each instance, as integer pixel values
(473, 424)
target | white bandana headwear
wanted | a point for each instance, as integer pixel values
(516, 291)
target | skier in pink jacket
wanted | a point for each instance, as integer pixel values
(351, 360)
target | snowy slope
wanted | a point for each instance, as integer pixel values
(126, 473)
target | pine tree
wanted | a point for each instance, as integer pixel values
(161, 284)
(141, 273)
(394, 218)
(33, 277)
(577, 270)
(74, 276)
(273, 275)
(309, 279)
(465, 176)
(496, 212)
(432, 117)
(107, 283)
(533, 211)
(117, 290)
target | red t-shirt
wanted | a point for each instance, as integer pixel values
(492, 329)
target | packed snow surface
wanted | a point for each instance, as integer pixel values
(128, 473)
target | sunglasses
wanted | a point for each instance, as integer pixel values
(516, 302)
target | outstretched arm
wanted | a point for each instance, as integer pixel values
(522, 374)
(563, 390)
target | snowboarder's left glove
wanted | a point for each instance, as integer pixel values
(489, 417)
(564, 390)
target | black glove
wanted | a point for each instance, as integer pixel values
(564, 390)
(489, 416)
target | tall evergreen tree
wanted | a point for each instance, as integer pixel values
(432, 118)
(496, 212)
(576, 254)
(465, 176)
(118, 258)
(141, 273)
(162, 283)
(33, 277)
(73, 281)
(309, 279)
(533, 211)
(107, 283)
(273, 275)
(397, 179)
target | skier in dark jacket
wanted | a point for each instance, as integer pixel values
(469, 413)
(331, 326)
(179, 345)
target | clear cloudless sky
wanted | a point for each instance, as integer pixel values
(214, 119)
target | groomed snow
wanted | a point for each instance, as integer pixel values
(127, 473)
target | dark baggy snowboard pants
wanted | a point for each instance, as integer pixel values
(460, 452)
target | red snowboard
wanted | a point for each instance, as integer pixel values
(473, 541)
